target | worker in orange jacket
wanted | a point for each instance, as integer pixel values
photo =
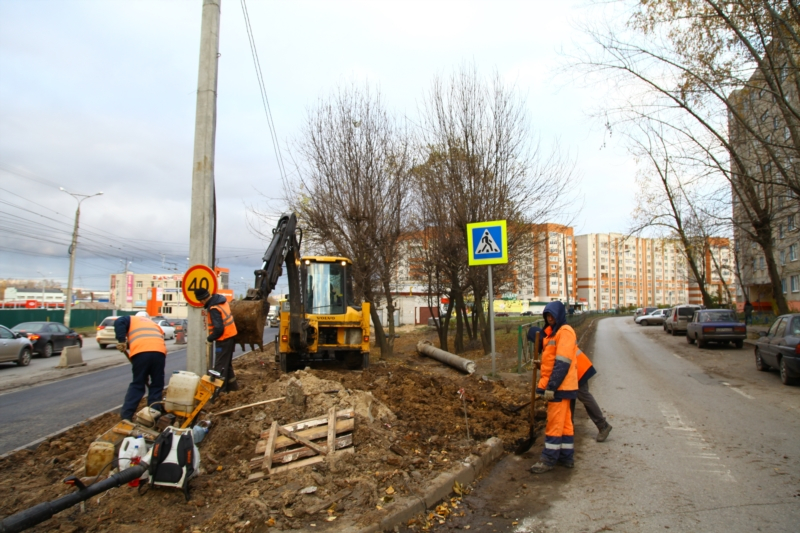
(143, 339)
(585, 372)
(221, 330)
(558, 385)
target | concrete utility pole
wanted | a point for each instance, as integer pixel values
(201, 232)
(80, 198)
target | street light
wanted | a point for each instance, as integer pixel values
(43, 281)
(79, 198)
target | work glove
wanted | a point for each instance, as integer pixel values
(549, 395)
(122, 347)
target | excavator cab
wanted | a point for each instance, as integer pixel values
(336, 329)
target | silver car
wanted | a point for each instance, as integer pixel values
(679, 318)
(14, 347)
(655, 317)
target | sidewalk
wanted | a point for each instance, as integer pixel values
(13, 377)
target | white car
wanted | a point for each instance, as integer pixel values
(169, 331)
(655, 317)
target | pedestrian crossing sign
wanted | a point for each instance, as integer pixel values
(487, 243)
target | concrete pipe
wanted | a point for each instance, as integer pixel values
(459, 363)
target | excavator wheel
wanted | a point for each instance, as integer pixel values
(356, 361)
(289, 362)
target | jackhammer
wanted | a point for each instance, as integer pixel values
(44, 511)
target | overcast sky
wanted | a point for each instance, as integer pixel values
(100, 96)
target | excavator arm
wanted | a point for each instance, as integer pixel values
(284, 249)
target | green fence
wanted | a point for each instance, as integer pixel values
(80, 318)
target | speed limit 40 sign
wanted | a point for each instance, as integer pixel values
(198, 277)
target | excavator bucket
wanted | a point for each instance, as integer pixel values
(250, 317)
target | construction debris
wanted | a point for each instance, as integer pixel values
(459, 363)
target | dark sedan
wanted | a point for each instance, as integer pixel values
(780, 348)
(48, 337)
(715, 325)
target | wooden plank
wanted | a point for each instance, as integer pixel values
(305, 462)
(313, 422)
(291, 455)
(301, 440)
(269, 449)
(313, 433)
(249, 405)
(332, 431)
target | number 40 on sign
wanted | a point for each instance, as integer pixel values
(198, 277)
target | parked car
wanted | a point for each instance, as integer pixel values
(175, 322)
(169, 331)
(642, 311)
(716, 325)
(527, 313)
(655, 317)
(273, 320)
(14, 347)
(48, 337)
(105, 333)
(779, 348)
(501, 314)
(679, 318)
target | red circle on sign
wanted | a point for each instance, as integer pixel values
(198, 277)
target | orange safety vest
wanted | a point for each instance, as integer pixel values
(227, 321)
(565, 345)
(584, 364)
(144, 335)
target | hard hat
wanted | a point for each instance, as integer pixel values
(142, 313)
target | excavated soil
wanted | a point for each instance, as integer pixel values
(408, 403)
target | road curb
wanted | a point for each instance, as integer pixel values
(400, 512)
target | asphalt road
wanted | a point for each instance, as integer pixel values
(691, 449)
(32, 413)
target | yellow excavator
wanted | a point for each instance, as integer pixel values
(320, 320)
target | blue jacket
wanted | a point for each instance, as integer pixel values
(121, 327)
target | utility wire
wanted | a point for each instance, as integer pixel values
(262, 88)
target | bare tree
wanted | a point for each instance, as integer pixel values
(694, 66)
(353, 167)
(481, 162)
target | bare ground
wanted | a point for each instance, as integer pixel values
(407, 401)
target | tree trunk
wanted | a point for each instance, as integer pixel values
(459, 340)
(387, 293)
(380, 336)
(483, 326)
(445, 326)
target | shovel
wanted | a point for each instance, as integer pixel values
(526, 444)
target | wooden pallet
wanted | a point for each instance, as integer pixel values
(303, 443)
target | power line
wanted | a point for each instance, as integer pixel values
(263, 90)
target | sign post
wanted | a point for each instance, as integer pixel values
(487, 244)
(199, 277)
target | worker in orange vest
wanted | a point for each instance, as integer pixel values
(558, 385)
(143, 339)
(585, 372)
(221, 330)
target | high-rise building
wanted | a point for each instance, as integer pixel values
(763, 161)
(615, 270)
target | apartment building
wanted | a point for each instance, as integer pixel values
(549, 273)
(615, 271)
(766, 156)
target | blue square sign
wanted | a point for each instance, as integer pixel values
(487, 242)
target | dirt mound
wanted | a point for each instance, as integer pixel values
(409, 426)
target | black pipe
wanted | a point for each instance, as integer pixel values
(44, 511)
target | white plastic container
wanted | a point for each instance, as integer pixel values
(131, 447)
(181, 391)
